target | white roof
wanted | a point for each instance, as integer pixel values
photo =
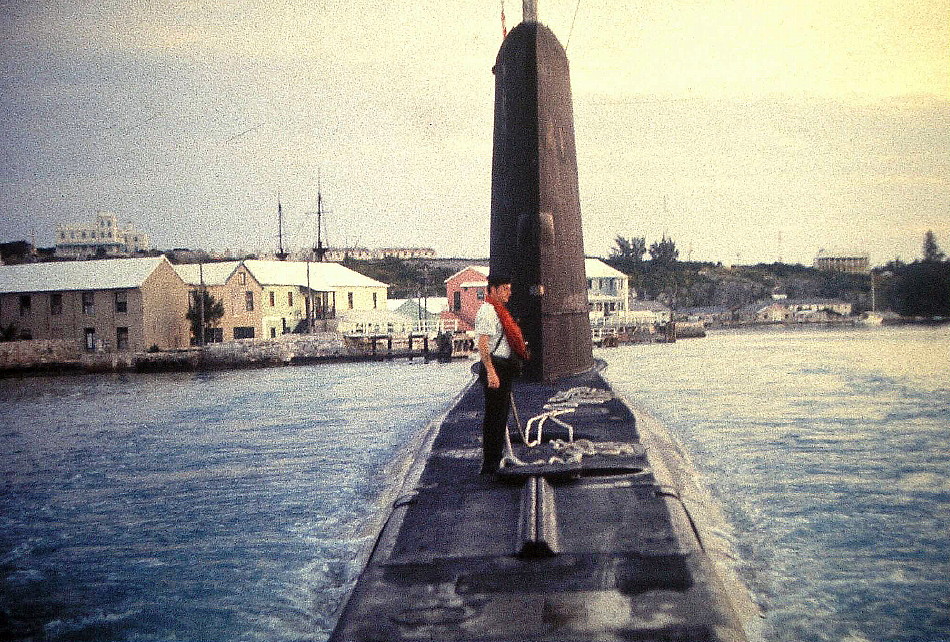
(647, 306)
(107, 274)
(323, 276)
(595, 268)
(212, 273)
(436, 304)
(481, 269)
(592, 267)
(433, 304)
(394, 304)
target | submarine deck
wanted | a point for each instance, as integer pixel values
(601, 549)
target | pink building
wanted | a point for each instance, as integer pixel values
(465, 291)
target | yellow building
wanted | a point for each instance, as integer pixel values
(265, 299)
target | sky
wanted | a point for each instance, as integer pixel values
(746, 131)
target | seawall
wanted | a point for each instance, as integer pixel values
(60, 356)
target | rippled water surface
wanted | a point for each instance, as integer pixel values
(221, 506)
(236, 505)
(829, 451)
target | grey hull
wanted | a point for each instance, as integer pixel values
(601, 550)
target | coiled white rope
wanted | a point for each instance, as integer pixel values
(562, 403)
(574, 451)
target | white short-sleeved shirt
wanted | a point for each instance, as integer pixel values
(487, 322)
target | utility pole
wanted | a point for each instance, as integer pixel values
(309, 301)
(201, 304)
(425, 294)
(873, 292)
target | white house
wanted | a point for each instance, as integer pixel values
(101, 238)
(608, 289)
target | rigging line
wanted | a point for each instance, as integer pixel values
(573, 20)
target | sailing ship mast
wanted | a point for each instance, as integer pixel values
(281, 254)
(319, 251)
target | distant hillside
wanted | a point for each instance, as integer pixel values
(405, 278)
(687, 284)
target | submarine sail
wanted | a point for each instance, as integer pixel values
(536, 235)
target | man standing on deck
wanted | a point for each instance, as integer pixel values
(500, 345)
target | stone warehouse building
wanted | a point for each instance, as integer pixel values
(105, 305)
(135, 304)
(265, 299)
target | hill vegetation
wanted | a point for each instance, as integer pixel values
(921, 288)
(406, 279)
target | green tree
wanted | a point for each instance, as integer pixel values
(213, 311)
(664, 252)
(932, 252)
(406, 279)
(922, 289)
(631, 249)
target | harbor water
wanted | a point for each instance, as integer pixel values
(237, 505)
(229, 505)
(828, 449)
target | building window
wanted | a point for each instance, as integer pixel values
(374, 301)
(214, 335)
(249, 301)
(25, 304)
(457, 301)
(290, 299)
(88, 303)
(349, 300)
(243, 278)
(122, 301)
(55, 303)
(89, 335)
(273, 333)
(244, 332)
(480, 294)
(121, 338)
(272, 303)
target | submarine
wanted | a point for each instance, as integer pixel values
(595, 527)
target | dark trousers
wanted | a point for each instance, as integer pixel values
(497, 407)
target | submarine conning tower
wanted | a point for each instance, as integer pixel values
(536, 234)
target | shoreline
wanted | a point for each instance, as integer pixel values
(296, 350)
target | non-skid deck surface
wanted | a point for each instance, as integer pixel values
(451, 564)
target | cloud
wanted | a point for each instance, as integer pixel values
(188, 118)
